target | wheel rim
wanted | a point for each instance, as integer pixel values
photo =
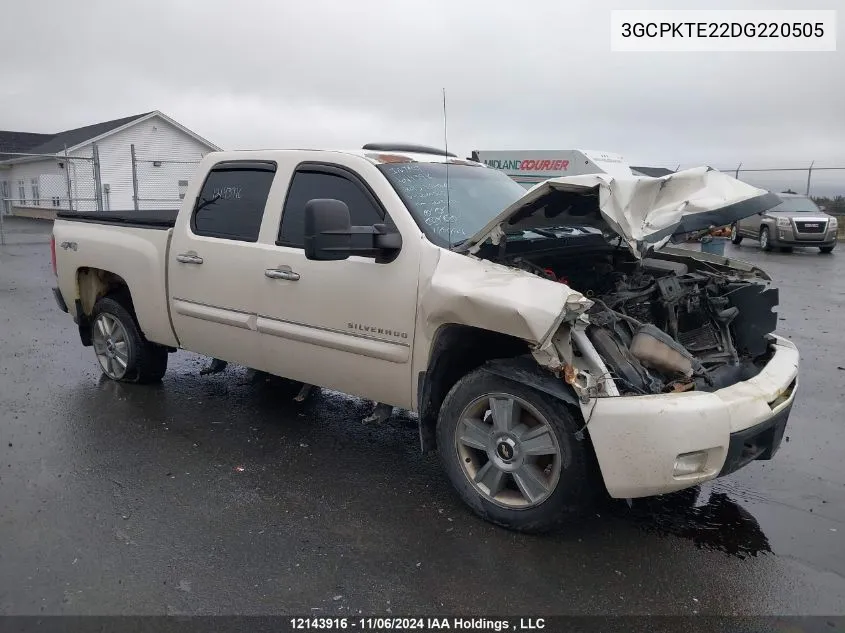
(733, 233)
(508, 451)
(111, 345)
(764, 238)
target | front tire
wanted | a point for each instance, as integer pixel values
(765, 242)
(826, 249)
(514, 454)
(124, 355)
(736, 238)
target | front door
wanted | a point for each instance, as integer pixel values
(346, 325)
(215, 263)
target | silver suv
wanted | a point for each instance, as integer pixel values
(797, 221)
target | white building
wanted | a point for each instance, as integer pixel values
(60, 171)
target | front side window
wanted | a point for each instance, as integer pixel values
(308, 185)
(232, 200)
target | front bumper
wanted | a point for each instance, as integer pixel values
(760, 441)
(787, 236)
(637, 439)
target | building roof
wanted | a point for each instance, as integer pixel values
(24, 142)
(20, 142)
(653, 172)
(71, 138)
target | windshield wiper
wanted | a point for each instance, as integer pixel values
(544, 233)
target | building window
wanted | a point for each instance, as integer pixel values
(36, 194)
(21, 192)
(56, 201)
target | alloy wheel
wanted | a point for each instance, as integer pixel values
(111, 345)
(508, 451)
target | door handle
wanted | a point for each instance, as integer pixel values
(281, 273)
(189, 258)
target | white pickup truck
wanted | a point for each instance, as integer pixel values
(551, 343)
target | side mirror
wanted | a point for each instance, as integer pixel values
(822, 208)
(328, 234)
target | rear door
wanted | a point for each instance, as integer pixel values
(214, 261)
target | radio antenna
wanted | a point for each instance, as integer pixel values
(446, 147)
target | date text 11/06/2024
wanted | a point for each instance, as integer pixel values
(417, 624)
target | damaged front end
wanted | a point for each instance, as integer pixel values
(656, 319)
(656, 326)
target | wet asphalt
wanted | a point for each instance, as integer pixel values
(211, 495)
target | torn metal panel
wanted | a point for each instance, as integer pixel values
(644, 211)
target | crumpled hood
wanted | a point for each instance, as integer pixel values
(644, 211)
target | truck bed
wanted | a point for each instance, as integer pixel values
(132, 245)
(147, 218)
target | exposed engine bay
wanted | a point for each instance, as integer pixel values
(665, 323)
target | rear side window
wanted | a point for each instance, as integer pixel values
(231, 203)
(308, 185)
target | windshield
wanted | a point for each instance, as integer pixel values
(476, 195)
(804, 205)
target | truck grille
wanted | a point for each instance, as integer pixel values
(810, 227)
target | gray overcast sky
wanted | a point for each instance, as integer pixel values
(330, 73)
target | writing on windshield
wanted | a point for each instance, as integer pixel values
(452, 210)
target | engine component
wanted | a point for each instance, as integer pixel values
(663, 325)
(656, 350)
(664, 266)
(621, 362)
(701, 339)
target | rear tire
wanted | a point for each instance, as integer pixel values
(524, 467)
(826, 249)
(765, 244)
(124, 355)
(736, 238)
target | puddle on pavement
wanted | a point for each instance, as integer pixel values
(706, 515)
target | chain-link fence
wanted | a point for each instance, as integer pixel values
(160, 182)
(49, 182)
(123, 180)
(38, 185)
